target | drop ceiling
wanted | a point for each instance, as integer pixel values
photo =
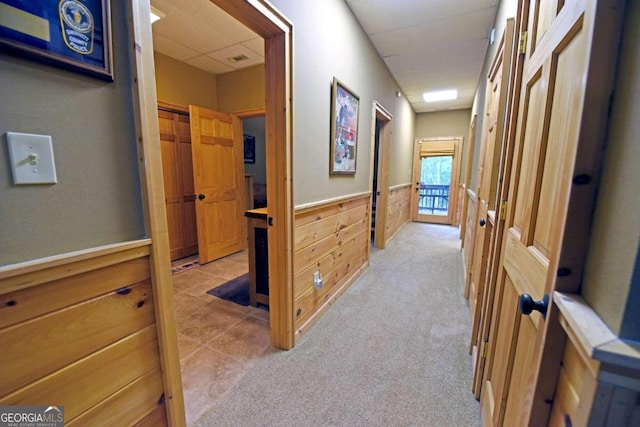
(426, 44)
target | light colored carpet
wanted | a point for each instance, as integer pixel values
(393, 351)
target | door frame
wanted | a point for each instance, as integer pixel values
(261, 17)
(384, 158)
(453, 185)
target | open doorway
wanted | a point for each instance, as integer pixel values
(221, 330)
(269, 24)
(381, 134)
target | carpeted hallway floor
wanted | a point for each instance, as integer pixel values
(393, 351)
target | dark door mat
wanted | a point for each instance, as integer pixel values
(235, 290)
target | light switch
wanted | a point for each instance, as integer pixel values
(31, 158)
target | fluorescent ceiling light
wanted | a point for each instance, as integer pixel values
(440, 95)
(156, 15)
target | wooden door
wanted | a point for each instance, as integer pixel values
(436, 174)
(481, 296)
(177, 171)
(560, 128)
(380, 188)
(218, 175)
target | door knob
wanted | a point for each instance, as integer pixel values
(201, 196)
(482, 222)
(527, 305)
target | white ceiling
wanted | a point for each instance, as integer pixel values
(202, 35)
(427, 44)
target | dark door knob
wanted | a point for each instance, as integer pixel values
(528, 305)
(201, 196)
(482, 222)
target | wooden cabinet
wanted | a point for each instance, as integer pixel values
(258, 256)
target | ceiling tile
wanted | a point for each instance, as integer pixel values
(256, 45)
(171, 48)
(378, 16)
(441, 33)
(223, 56)
(426, 44)
(199, 24)
(210, 65)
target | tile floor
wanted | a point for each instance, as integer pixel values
(218, 340)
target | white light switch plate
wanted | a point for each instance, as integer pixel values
(31, 158)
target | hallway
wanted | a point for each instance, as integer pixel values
(392, 351)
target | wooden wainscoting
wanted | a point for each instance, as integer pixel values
(599, 379)
(333, 238)
(457, 216)
(399, 209)
(80, 331)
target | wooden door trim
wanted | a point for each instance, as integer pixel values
(173, 108)
(453, 185)
(152, 187)
(384, 158)
(247, 114)
(266, 21)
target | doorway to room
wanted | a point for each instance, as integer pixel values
(217, 316)
(276, 31)
(381, 152)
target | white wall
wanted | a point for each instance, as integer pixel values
(506, 9)
(97, 199)
(614, 246)
(328, 43)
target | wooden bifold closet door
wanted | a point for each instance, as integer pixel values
(177, 169)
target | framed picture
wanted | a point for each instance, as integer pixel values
(249, 149)
(71, 34)
(344, 129)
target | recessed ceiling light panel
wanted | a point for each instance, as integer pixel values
(440, 95)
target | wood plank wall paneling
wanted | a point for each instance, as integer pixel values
(575, 389)
(457, 217)
(155, 419)
(399, 210)
(332, 238)
(85, 339)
